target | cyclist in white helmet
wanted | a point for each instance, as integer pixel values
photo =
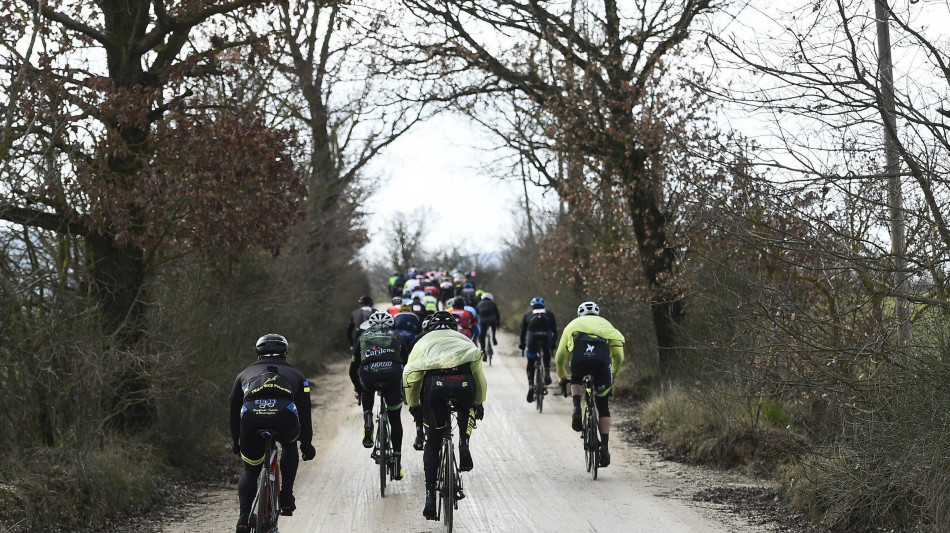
(377, 363)
(593, 346)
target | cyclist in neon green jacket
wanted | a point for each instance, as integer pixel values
(443, 365)
(593, 346)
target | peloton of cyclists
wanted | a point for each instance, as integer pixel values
(538, 331)
(592, 346)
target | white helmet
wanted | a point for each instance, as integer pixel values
(487, 296)
(381, 319)
(588, 308)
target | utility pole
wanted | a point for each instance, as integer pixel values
(892, 171)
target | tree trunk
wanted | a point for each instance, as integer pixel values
(657, 257)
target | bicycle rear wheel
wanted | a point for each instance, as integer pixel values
(383, 457)
(594, 439)
(448, 498)
(539, 387)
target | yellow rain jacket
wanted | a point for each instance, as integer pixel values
(440, 349)
(591, 325)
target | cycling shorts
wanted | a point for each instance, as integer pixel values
(278, 416)
(601, 368)
(437, 388)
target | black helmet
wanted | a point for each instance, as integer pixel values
(366, 300)
(441, 320)
(271, 345)
(458, 303)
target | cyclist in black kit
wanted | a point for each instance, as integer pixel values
(270, 394)
(489, 317)
(538, 331)
(358, 317)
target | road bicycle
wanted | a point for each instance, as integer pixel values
(448, 483)
(540, 389)
(267, 502)
(591, 428)
(383, 450)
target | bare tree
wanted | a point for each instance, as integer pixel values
(593, 79)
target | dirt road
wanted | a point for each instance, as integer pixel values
(529, 474)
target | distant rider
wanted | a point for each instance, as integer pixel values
(538, 331)
(489, 317)
(466, 319)
(594, 347)
(358, 317)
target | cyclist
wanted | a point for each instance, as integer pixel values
(538, 331)
(594, 347)
(446, 291)
(488, 318)
(408, 325)
(358, 317)
(377, 366)
(431, 302)
(444, 365)
(464, 318)
(395, 307)
(270, 394)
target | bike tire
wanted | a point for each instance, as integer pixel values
(263, 520)
(450, 484)
(383, 435)
(594, 425)
(539, 388)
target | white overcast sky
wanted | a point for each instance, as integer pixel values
(440, 166)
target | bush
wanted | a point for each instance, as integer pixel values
(714, 425)
(76, 486)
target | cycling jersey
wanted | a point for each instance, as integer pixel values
(290, 410)
(431, 303)
(488, 311)
(411, 285)
(592, 325)
(466, 321)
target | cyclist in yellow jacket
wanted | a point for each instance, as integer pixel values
(593, 346)
(443, 365)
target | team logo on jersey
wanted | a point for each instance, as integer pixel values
(589, 350)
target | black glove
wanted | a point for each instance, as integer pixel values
(479, 411)
(236, 448)
(307, 451)
(521, 347)
(415, 411)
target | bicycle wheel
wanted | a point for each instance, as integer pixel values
(274, 480)
(539, 387)
(594, 439)
(383, 458)
(263, 505)
(448, 498)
